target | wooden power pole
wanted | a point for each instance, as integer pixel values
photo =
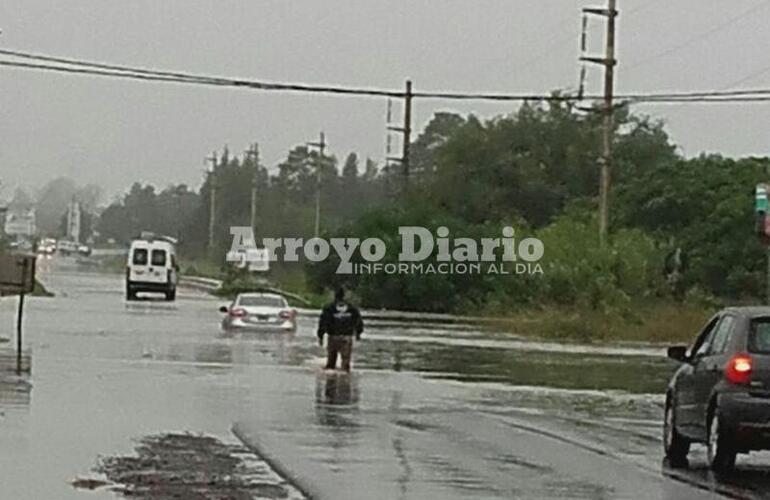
(609, 62)
(321, 145)
(253, 154)
(212, 197)
(406, 130)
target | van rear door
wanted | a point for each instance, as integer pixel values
(139, 263)
(158, 269)
(149, 264)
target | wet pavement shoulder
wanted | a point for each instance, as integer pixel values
(384, 435)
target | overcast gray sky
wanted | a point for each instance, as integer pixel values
(115, 132)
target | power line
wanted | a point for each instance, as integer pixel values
(111, 70)
(183, 77)
(126, 72)
(690, 41)
(568, 40)
(95, 72)
(748, 77)
(98, 65)
(748, 99)
(633, 97)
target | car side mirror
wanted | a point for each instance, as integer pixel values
(223, 309)
(678, 353)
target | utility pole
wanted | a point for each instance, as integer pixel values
(212, 197)
(762, 208)
(73, 221)
(609, 62)
(406, 130)
(762, 228)
(321, 145)
(767, 277)
(253, 154)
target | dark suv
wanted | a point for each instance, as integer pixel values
(720, 395)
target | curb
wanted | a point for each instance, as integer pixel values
(200, 283)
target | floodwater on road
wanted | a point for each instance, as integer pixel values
(435, 410)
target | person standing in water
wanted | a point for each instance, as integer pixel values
(341, 321)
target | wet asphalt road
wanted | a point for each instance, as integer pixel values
(431, 412)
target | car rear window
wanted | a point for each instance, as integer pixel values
(759, 336)
(140, 257)
(158, 257)
(262, 301)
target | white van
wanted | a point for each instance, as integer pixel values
(152, 267)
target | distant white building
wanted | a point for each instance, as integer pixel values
(73, 222)
(20, 224)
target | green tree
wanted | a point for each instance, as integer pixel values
(52, 202)
(705, 207)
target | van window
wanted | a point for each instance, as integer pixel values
(158, 257)
(759, 336)
(140, 257)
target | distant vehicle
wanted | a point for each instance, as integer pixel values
(46, 246)
(84, 250)
(259, 311)
(66, 247)
(21, 245)
(720, 395)
(152, 267)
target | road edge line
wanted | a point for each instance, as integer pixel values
(275, 464)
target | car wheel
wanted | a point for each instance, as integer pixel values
(171, 296)
(130, 294)
(675, 445)
(721, 448)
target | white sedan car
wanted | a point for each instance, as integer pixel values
(258, 312)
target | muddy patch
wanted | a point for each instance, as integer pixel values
(173, 466)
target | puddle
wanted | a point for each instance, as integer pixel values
(564, 370)
(191, 466)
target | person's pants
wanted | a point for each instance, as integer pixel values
(339, 345)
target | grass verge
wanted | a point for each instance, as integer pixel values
(658, 322)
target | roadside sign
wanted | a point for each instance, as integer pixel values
(17, 277)
(761, 203)
(17, 274)
(258, 259)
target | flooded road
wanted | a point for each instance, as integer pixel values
(432, 410)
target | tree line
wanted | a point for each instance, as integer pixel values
(534, 169)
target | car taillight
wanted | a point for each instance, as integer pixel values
(237, 313)
(287, 314)
(738, 370)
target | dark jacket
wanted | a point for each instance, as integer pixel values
(340, 318)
